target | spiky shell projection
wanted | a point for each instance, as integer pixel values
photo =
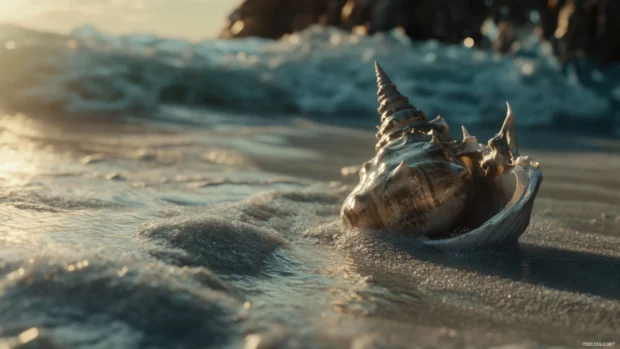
(454, 194)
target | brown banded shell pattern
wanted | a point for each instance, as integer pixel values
(415, 183)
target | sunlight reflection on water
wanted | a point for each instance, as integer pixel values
(144, 215)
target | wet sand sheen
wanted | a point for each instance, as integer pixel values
(157, 212)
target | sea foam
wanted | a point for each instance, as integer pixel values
(317, 72)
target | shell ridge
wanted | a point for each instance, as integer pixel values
(394, 107)
(454, 193)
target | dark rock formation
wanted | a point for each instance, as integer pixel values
(274, 18)
(523, 12)
(590, 27)
(445, 20)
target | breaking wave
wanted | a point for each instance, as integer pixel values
(318, 72)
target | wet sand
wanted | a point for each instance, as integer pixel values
(232, 232)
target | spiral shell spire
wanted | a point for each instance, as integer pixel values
(397, 114)
(454, 194)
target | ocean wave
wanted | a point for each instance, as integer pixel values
(320, 71)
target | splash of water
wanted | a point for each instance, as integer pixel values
(320, 71)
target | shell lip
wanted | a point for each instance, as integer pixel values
(507, 225)
(504, 184)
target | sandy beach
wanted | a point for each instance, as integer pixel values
(235, 225)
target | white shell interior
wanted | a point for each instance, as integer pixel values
(521, 185)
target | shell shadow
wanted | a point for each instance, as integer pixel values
(565, 270)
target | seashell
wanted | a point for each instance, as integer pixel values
(453, 194)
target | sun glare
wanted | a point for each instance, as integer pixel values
(12, 10)
(189, 19)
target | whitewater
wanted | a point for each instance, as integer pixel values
(161, 193)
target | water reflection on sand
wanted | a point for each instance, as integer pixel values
(233, 226)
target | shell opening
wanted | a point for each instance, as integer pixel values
(505, 189)
(454, 194)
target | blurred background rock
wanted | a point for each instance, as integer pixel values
(576, 28)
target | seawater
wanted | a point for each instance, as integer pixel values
(159, 193)
(318, 72)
